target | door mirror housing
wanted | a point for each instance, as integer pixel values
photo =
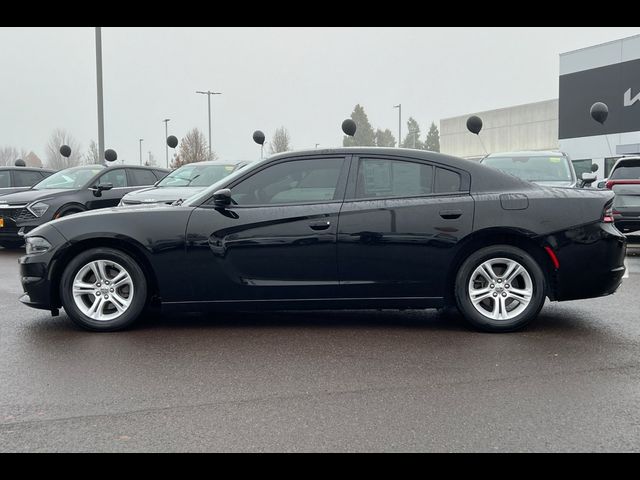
(588, 178)
(98, 189)
(594, 167)
(222, 198)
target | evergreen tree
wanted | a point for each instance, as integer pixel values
(365, 136)
(433, 139)
(412, 140)
(384, 138)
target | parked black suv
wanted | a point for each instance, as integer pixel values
(18, 179)
(69, 191)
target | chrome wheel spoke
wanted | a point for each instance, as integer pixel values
(96, 308)
(481, 294)
(82, 288)
(120, 303)
(514, 274)
(520, 295)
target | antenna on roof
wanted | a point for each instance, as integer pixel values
(474, 125)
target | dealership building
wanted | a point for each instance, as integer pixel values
(608, 73)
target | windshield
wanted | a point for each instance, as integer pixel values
(538, 168)
(69, 179)
(194, 175)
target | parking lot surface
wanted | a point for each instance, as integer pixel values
(322, 381)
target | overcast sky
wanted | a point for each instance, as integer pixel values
(307, 79)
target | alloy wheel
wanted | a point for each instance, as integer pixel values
(103, 290)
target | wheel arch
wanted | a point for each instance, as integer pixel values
(69, 206)
(128, 246)
(522, 239)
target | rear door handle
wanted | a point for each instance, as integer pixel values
(320, 225)
(450, 214)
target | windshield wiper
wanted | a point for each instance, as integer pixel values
(189, 183)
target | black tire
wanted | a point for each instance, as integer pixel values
(125, 319)
(483, 322)
(12, 245)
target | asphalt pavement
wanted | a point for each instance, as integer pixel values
(322, 381)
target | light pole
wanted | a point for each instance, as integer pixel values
(208, 93)
(166, 135)
(140, 140)
(399, 107)
(99, 88)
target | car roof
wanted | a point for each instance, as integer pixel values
(528, 153)
(218, 162)
(37, 169)
(483, 178)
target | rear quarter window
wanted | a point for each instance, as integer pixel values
(447, 181)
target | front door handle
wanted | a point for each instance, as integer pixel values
(450, 214)
(320, 225)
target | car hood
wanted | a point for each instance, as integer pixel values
(20, 198)
(161, 194)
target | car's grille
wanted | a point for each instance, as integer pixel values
(25, 214)
(12, 213)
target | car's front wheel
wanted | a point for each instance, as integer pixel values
(500, 288)
(103, 289)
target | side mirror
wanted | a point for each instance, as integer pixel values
(222, 198)
(98, 189)
(588, 178)
(594, 167)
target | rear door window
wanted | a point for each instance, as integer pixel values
(140, 177)
(393, 178)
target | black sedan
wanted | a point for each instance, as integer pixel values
(340, 228)
(69, 191)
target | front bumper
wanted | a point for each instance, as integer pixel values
(36, 273)
(591, 261)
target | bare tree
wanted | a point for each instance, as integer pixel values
(281, 141)
(55, 160)
(91, 157)
(193, 148)
(8, 155)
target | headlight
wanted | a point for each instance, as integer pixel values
(38, 209)
(36, 245)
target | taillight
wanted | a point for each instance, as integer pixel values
(607, 215)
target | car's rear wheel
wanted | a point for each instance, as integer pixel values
(500, 289)
(103, 289)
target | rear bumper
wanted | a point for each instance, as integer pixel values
(591, 261)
